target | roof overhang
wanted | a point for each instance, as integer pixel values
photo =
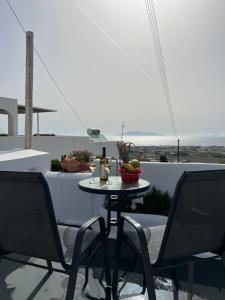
(21, 110)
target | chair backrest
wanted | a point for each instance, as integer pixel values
(196, 223)
(27, 219)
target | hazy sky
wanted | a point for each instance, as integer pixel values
(102, 85)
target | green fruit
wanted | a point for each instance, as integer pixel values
(135, 163)
(128, 167)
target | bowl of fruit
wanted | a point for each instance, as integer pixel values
(129, 169)
(128, 173)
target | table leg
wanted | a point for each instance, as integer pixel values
(118, 209)
(108, 227)
(113, 221)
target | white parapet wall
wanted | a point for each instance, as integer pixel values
(24, 160)
(74, 206)
(165, 175)
(58, 145)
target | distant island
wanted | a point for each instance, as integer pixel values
(141, 133)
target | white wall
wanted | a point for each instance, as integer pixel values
(24, 160)
(58, 145)
(165, 175)
(75, 206)
(10, 106)
(72, 205)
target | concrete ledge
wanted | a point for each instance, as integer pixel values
(24, 160)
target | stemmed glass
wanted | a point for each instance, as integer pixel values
(92, 166)
(108, 167)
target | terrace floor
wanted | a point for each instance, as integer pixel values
(25, 282)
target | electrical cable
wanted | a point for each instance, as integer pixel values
(116, 45)
(158, 50)
(159, 54)
(47, 70)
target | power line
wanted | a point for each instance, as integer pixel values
(159, 54)
(158, 50)
(116, 45)
(59, 89)
(47, 70)
(15, 15)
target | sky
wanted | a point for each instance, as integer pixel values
(101, 53)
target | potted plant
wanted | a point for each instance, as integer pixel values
(56, 165)
(154, 202)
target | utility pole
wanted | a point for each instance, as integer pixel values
(122, 131)
(29, 90)
(38, 127)
(178, 150)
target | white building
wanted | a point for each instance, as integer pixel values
(55, 145)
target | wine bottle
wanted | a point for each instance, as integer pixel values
(103, 172)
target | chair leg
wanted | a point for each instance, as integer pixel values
(135, 259)
(88, 264)
(223, 258)
(49, 264)
(148, 273)
(90, 260)
(106, 266)
(143, 286)
(86, 277)
(190, 279)
(106, 263)
(175, 284)
(72, 279)
(115, 279)
(150, 282)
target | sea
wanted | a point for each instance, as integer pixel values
(143, 140)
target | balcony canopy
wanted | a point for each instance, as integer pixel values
(21, 110)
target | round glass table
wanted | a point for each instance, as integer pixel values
(116, 188)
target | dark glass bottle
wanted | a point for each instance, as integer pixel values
(103, 172)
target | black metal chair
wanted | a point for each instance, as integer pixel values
(28, 227)
(196, 225)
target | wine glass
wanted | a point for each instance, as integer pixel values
(108, 168)
(92, 166)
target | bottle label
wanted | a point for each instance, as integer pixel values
(103, 173)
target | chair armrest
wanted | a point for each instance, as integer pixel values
(138, 228)
(132, 222)
(92, 221)
(82, 230)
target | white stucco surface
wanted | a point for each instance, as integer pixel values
(165, 175)
(9, 106)
(72, 205)
(75, 206)
(58, 145)
(24, 160)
